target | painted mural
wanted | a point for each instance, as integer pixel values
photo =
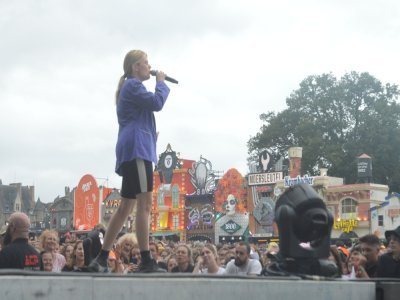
(232, 220)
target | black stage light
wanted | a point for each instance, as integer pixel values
(305, 226)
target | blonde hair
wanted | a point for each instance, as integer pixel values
(45, 234)
(213, 250)
(127, 236)
(131, 58)
(72, 260)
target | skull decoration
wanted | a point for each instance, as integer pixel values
(230, 205)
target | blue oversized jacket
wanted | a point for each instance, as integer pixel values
(137, 125)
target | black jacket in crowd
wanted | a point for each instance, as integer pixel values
(388, 267)
(19, 254)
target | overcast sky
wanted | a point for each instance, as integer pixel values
(61, 60)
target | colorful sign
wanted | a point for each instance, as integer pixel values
(345, 225)
(113, 203)
(86, 205)
(288, 181)
(264, 178)
(231, 227)
(232, 183)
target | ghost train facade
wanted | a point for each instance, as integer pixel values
(191, 203)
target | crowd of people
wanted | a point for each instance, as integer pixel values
(50, 252)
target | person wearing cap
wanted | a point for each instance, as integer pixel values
(389, 263)
(114, 262)
(17, 252)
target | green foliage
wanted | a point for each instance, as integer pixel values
(335, 121)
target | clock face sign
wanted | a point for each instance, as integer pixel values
(168, 160)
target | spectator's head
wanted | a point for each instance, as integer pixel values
(242, 253)
(18, 227)
(49, 240)
(355, 257)
(67, 251)
(222, 252)
(171, 262)
(183, 255)
(165, 253)
(78, 255)
(209, 254)
(153, 247)
(135, 257)
(112, 261)
(47, 261)
(127, 242)
(370, 246)
(393, 237)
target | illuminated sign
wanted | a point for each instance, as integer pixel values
(114, 203)
(288, 181)
(264, 178)
(231, 227)
(345, 225)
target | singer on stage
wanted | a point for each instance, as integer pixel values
(136, 153)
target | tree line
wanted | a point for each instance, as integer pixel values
(335, 121)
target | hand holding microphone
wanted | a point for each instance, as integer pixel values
(167, 78)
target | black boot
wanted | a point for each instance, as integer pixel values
(98, 265)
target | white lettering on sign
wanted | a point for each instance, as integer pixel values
(264, 178)
(86, 186)
(362, 167)
(298, 180)
(230, 226)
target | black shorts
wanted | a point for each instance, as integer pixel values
(137, 177)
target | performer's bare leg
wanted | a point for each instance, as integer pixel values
(148, 264)
(117, 221)
(99, 264)
(142, 219)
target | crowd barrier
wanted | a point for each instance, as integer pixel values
(18, 285)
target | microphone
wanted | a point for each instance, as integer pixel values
(167, 78)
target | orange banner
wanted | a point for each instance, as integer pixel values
(86, 206)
